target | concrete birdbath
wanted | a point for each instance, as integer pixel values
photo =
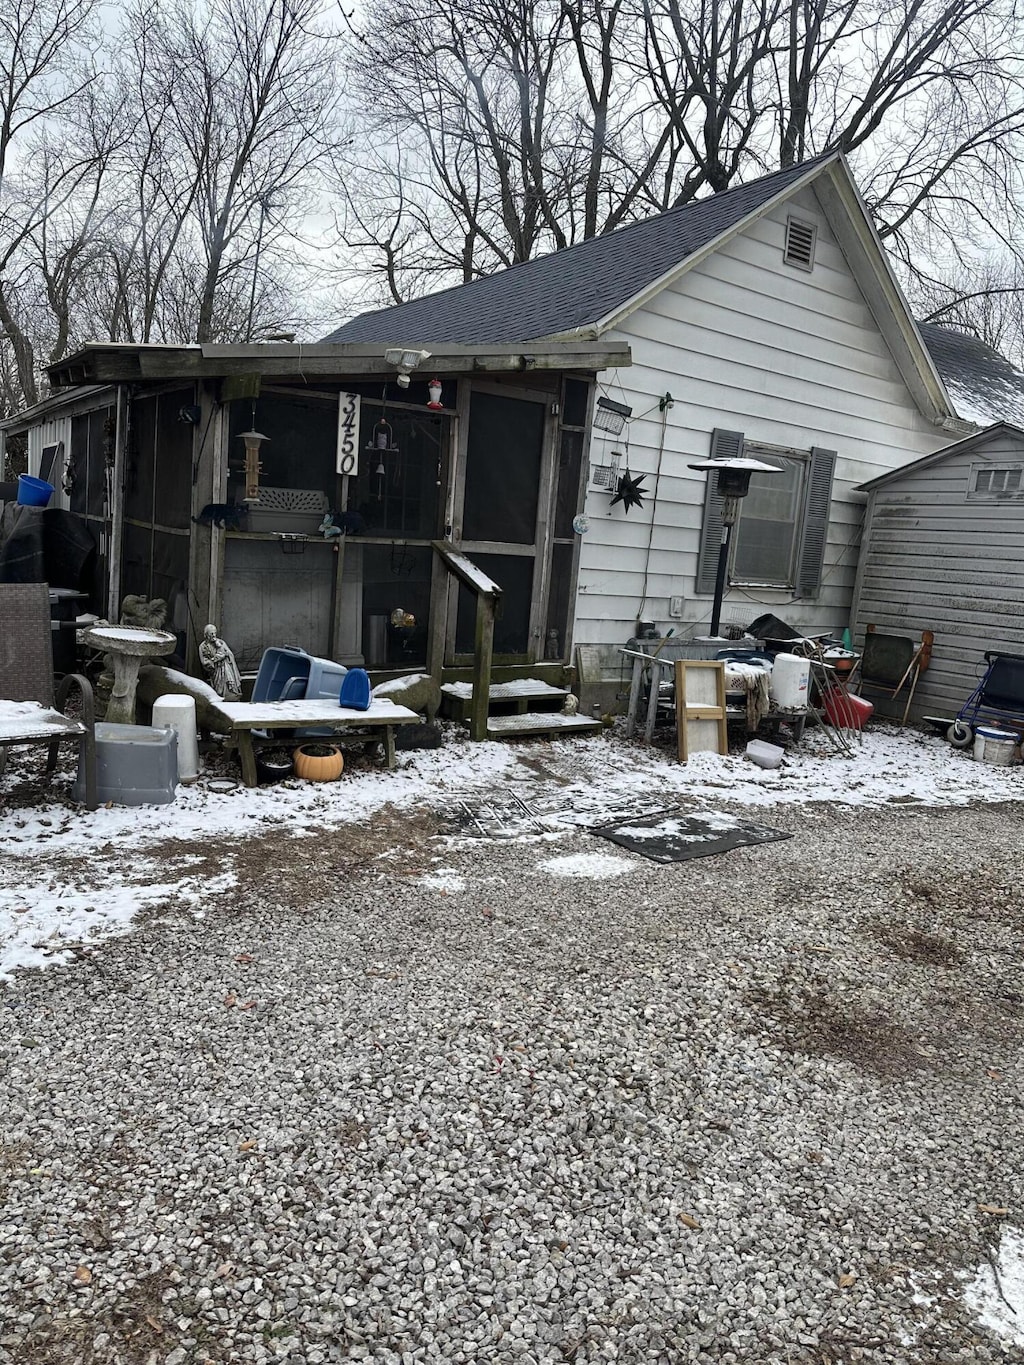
(127, 648)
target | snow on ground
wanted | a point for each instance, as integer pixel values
(998, 1298)
(60, 884)
(594, 865)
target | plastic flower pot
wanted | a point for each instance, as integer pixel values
(318, 762)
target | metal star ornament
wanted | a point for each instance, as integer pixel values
(629, 492)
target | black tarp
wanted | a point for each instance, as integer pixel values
(47, 545)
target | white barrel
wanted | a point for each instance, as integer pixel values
(790, 678)
(179, 714)
(992, 745)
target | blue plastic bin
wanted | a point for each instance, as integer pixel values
(290, 674)
(33, 492)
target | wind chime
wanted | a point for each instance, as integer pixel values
(381, 443)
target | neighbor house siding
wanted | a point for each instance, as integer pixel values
(787, 357)
(934, 560)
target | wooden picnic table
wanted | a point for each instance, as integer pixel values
(244, 716)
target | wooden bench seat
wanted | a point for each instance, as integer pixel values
(245, 717)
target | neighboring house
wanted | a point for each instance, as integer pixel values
(764, 318)
(942, 551)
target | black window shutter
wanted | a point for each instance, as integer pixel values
(725, 445)
(814, 532)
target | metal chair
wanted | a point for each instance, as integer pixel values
(26, 675)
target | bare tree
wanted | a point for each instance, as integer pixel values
(506, 129)
(44, 72)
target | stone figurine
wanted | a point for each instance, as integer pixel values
(219, 664)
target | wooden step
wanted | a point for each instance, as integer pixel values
(538, 723)
(457, 697)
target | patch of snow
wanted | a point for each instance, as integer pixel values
(41, 923)
(593, 865)
(999, 1302)
(28, 719)
(444, 879)
(518, 687)
(387, 689)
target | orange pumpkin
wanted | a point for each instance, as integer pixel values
(318, 767)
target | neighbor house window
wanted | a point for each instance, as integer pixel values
(995, 481)
(779, 539)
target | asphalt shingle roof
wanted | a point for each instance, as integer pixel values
(570, 288)
(985, 387)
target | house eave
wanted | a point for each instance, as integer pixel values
(850, 221)
(98, 363)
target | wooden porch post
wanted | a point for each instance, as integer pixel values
(483, 652)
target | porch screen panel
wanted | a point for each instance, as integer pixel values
(514, 575)
(300, 446)
(397, 492)
(173, 476)
(140, 464)
(503, 469)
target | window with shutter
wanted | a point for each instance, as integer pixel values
(780, 536)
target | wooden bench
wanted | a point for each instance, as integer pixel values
(245, 717)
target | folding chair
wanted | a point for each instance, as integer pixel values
(891, 663)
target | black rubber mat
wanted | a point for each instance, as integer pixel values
(671, 836)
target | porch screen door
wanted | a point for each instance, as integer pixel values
(505, 496)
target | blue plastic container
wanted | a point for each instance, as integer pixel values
(33, 492)
(290, 674)
(355, 690)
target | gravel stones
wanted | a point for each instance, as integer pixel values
(727, 1111)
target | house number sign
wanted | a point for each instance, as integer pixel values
(348, 433)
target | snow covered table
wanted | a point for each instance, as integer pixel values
(28, 722)
(246, 716)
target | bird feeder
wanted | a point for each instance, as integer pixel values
(253, 440)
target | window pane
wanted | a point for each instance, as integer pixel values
(765, 535)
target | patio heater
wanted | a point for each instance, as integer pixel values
(733, 477)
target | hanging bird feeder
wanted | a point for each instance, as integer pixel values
(253, 440)
(434, 389)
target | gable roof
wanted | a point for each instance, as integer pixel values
(580, 285)
(979, 438)
(985, 387)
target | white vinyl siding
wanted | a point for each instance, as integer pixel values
(788, 358)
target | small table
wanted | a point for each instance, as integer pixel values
(245, 716)
(127, 647)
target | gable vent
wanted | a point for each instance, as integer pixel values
(800, 239)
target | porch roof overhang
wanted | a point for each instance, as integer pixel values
(106, 363)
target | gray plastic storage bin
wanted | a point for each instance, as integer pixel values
(135, 765)
(290, 674)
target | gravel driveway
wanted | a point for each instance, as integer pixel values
(763, 1107)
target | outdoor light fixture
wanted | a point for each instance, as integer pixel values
(733, 483)
(253, 440)
(611, 416)
(404, 359)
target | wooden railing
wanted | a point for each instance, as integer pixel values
(488, 597)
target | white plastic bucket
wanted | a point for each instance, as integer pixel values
(179, 714)
(994, 746)
(765, 755)
(790, 677)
